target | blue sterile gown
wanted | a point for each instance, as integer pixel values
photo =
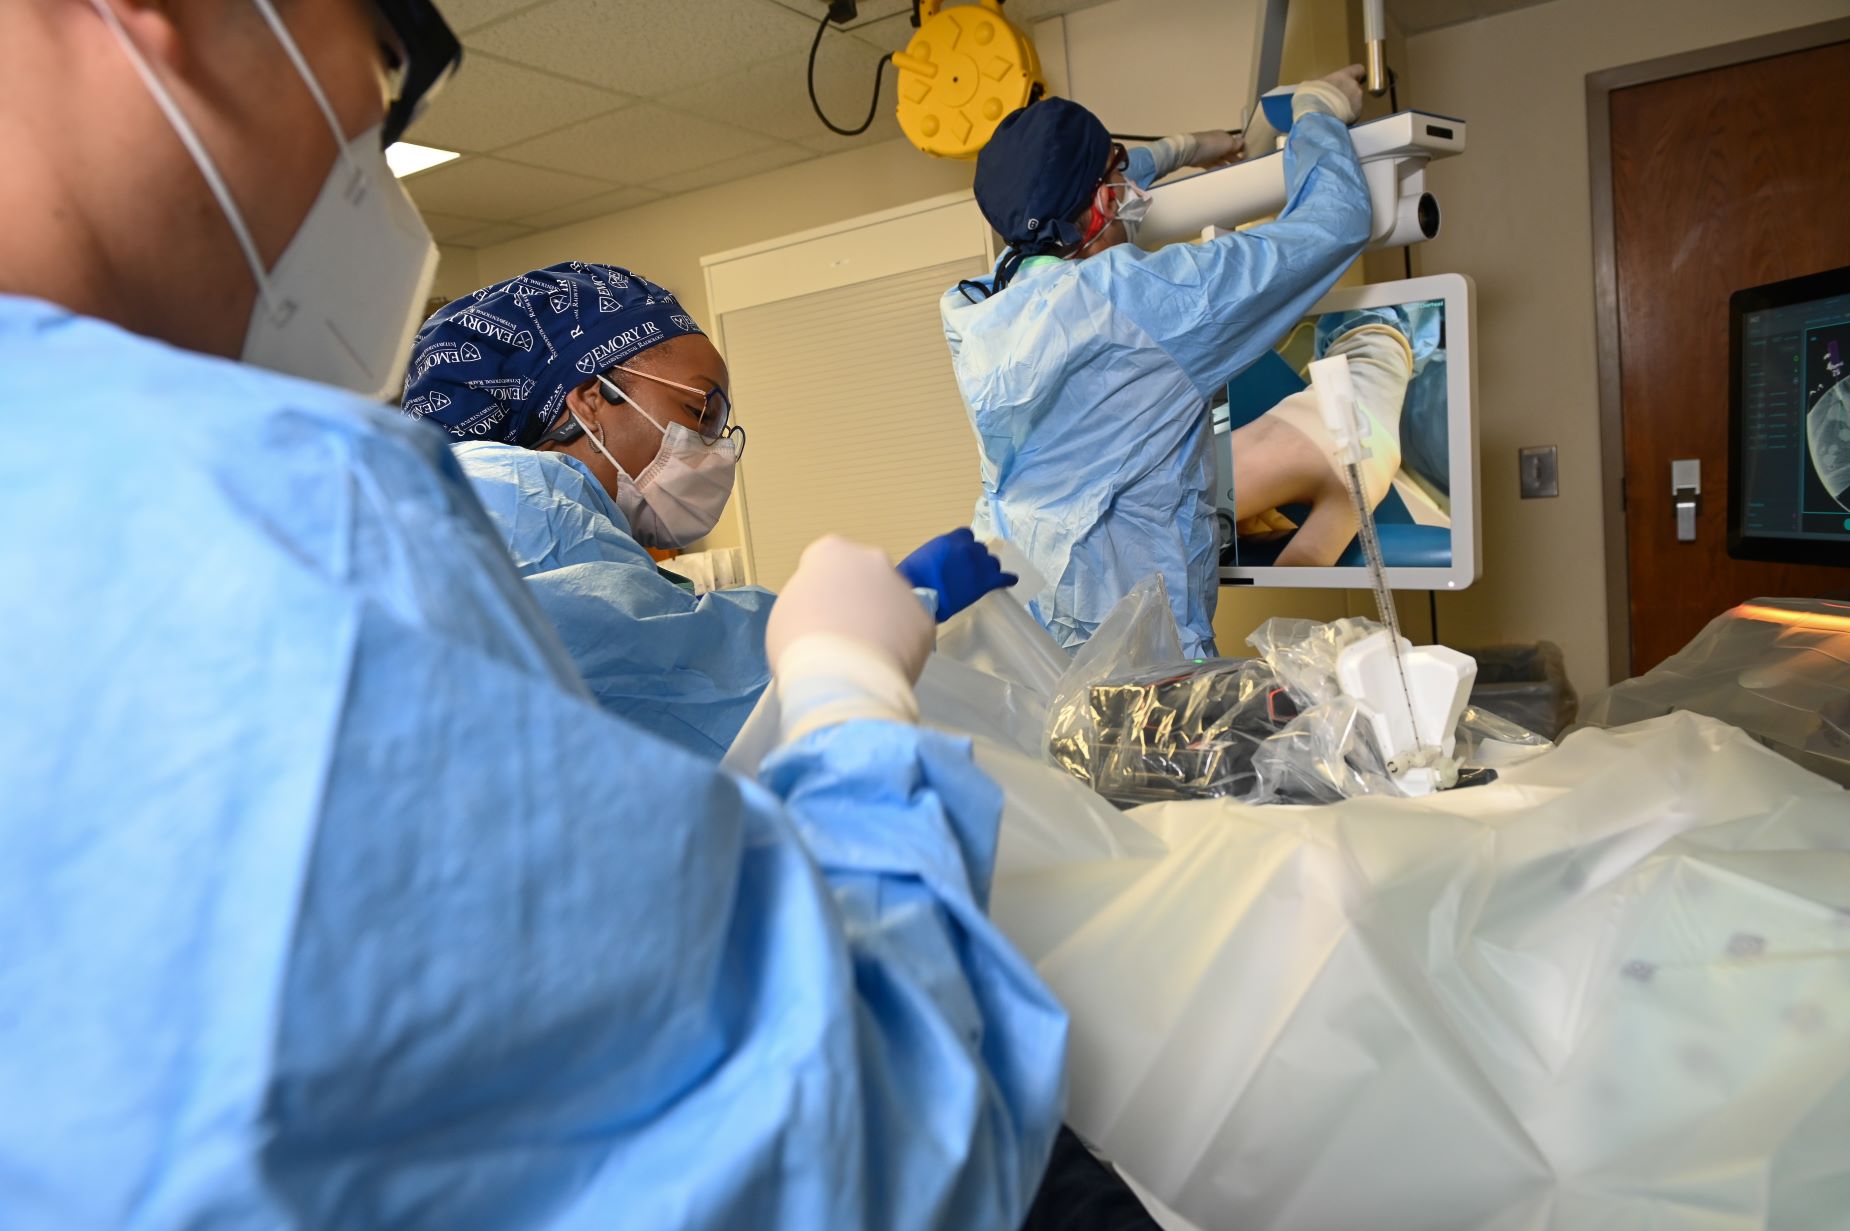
(331, 899)
(1088, 382)
(689, 668)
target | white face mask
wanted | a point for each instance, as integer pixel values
(1132, 204)
(1125, 202)
(679, 496)
(342, 302)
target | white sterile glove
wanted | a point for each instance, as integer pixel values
(1216, 149)
(1339, 94)
(1203, 149)
(847, 639)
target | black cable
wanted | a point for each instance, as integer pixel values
(872, 107)
(1432, 607)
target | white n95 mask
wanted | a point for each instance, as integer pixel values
(679, 496)
(1132, 203)
(341, 304)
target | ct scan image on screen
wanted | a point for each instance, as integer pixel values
(1827, 419)
(1282, 503)
(1791, 414)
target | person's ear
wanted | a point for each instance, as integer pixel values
(152, 25)
(583, 404)
(587, 399)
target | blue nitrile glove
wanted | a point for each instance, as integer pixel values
(958, 568)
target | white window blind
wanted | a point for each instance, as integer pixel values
(856, 426)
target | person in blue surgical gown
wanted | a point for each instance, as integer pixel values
(594, 419)
(332, 899)
(1087, 364)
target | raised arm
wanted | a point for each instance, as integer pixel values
(1149, 163)
(1217, 306)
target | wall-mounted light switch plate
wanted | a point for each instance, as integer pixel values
(1540, 479)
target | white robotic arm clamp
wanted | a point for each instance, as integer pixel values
(1412, 698)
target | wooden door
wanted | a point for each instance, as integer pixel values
(1721, 180)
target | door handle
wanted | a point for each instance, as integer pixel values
(1686, 495)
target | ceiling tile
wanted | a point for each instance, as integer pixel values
(867, 10)
(498, 191)
(1025, 12)
(893, 32)
(884, 128)
(494, 233)
(889, 34)
(755, 163)
(467, 15)
(646, 47)
(493, 103)
(447, 228)
(638, 145)
(773, 98)
(874, 10)
(590, 207)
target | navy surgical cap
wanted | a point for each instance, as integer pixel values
(1038, 173)
(498, 364)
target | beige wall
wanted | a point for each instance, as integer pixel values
(1320, 37)
(1518, 220)
(664, 240)
(456, 273)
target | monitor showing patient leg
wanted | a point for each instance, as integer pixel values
(1287, 515)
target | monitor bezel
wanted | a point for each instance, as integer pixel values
(1767, 549)
(1460, 296)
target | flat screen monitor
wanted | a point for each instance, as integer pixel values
(1422, 477)
(1789, 421)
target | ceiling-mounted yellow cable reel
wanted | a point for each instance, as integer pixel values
(964, 70)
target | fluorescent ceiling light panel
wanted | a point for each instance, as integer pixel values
(407, 159)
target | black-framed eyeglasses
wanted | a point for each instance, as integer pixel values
(715, 409)
(715, 419)
(716, 416)
(428, 53)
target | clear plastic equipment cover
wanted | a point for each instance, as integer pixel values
(1777, 668)
(1140, 724)
(1610, 989)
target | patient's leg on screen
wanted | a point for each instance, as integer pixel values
(1325, 534)
(1275, 464)
(1286, 455)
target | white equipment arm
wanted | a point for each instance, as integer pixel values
(1393, 151)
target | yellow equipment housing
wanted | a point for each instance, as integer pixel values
(964, 70)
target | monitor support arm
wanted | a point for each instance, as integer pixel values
(1393, 150)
